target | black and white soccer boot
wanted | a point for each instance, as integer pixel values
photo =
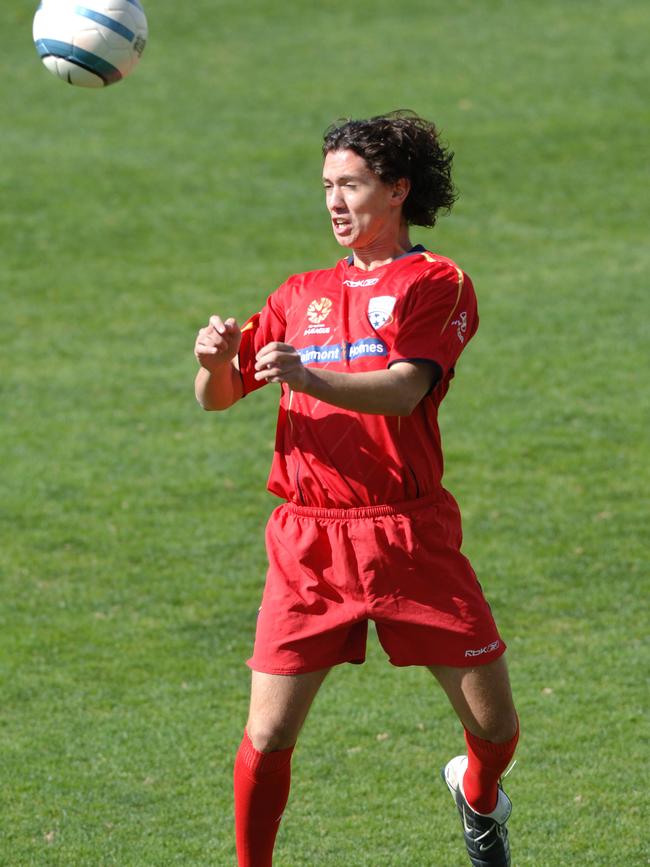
(486, 836)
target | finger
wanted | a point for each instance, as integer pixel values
(218, 324)
(276, 356)
(268, 363)
(263, 359)
(272, 374)
(214, 341)
(276, 347)
(222, 342)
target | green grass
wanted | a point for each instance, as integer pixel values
(131, 553)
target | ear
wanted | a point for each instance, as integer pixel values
(400, 191)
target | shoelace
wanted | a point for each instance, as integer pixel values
(510, 767)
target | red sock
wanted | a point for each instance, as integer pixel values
(262, 782)
(486, 761)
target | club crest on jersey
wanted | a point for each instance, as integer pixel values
(380, 310)
(319, 310)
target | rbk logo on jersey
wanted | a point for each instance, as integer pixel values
(319, 310)
(380, 310)
(356, 284)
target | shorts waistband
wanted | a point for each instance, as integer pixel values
(365, 511)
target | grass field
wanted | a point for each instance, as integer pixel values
(131, 552)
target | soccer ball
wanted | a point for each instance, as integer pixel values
(91, 45)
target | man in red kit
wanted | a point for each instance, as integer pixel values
(365, 353)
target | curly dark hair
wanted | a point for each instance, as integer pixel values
(401, 144)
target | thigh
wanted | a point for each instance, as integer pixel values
(279, 706)
(427, 602)
(481, 697)
(313, 615)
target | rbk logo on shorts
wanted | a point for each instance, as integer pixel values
(481, 650)
(319, 310)
(380, 310)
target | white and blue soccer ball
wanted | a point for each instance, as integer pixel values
(91, 43)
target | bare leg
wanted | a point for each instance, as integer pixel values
(279, 706)
(262, 772)
(482, 698)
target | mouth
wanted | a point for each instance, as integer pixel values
(341, 225)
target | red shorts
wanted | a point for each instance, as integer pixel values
(332, 570)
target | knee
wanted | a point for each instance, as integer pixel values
(268, 737)
(501, 728)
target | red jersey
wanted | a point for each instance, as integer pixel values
(419, 307)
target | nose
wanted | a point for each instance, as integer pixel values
(334, 199)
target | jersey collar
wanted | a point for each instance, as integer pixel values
(418, 248)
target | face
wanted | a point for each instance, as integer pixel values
(365, 212)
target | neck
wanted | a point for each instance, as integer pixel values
(376, 255)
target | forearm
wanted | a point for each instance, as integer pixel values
(218, 389)
(376, 392)
(395, 390)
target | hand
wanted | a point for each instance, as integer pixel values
(280, 362)
(218, 343)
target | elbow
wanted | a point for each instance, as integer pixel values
(203, 402)
(213, 407)
(404, 412)
(208, 403)
(415, 381)
(215, 393)
(406, 406)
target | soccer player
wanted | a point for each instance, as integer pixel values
(364, 353)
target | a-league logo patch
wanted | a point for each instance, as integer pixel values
(319, 310)
(380, 310)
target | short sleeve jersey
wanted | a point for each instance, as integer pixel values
(420, 307)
